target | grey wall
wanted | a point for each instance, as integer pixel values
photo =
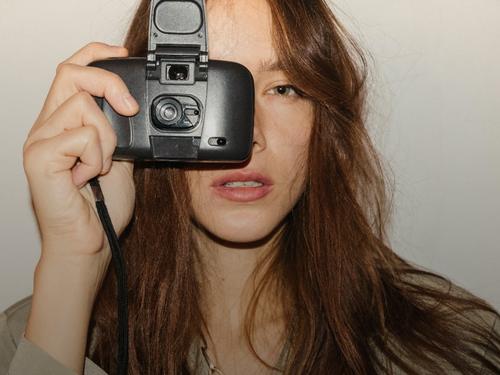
(436, 118)
(434, 114)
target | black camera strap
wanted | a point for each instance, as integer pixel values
(194, 54)
(121, 276)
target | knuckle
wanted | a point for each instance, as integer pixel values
(61, 66)
(26, 144)
(115, 81)
(91, 133)
(84, 99)
(26, 158)
(92, 49)
(93, 46)
(63, 69)
(88, 137)
(31, 157)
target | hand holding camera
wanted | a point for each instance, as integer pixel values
(70, 129)
(70, 143)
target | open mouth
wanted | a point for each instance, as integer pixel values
(242, 186)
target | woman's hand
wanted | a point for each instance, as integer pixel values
(71, 142)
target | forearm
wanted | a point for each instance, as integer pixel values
(64, 291)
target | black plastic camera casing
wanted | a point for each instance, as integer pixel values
(191, 109)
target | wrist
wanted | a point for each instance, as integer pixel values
(64, 291)
(65, 273)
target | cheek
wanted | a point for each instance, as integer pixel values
(199, 183)
(289, 120)
(287, 127)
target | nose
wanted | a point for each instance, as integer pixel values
(259, 139)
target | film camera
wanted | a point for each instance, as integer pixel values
(191, 109)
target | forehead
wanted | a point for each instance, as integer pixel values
(240, 31)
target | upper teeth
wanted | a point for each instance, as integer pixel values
(243, 184)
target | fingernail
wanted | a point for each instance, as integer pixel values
(130, 101)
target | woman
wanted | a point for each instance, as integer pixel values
(294, 276)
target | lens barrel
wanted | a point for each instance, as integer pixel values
(166, 112)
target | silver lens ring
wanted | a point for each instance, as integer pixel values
(167, 111)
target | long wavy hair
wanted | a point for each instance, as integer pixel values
(356, 306)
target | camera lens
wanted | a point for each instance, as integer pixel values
(166, 111)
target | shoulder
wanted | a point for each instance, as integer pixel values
(475, 322)
(12, 326)
(458, 300)
(13, 320)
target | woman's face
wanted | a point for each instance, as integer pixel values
(259, 194)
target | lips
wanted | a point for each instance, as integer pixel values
(242, 193)
(242, 177)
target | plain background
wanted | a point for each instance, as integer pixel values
(435, 116)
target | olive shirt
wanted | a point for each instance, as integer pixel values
(19, 356)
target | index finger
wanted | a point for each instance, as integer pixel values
(72, 76)
(95, 51)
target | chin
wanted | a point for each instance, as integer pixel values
(239, 228)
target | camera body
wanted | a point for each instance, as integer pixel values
(191, 109)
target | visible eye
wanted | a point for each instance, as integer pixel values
(285, 90)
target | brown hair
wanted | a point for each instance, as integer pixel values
(356, 307)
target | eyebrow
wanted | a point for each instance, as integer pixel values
(270, 66)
